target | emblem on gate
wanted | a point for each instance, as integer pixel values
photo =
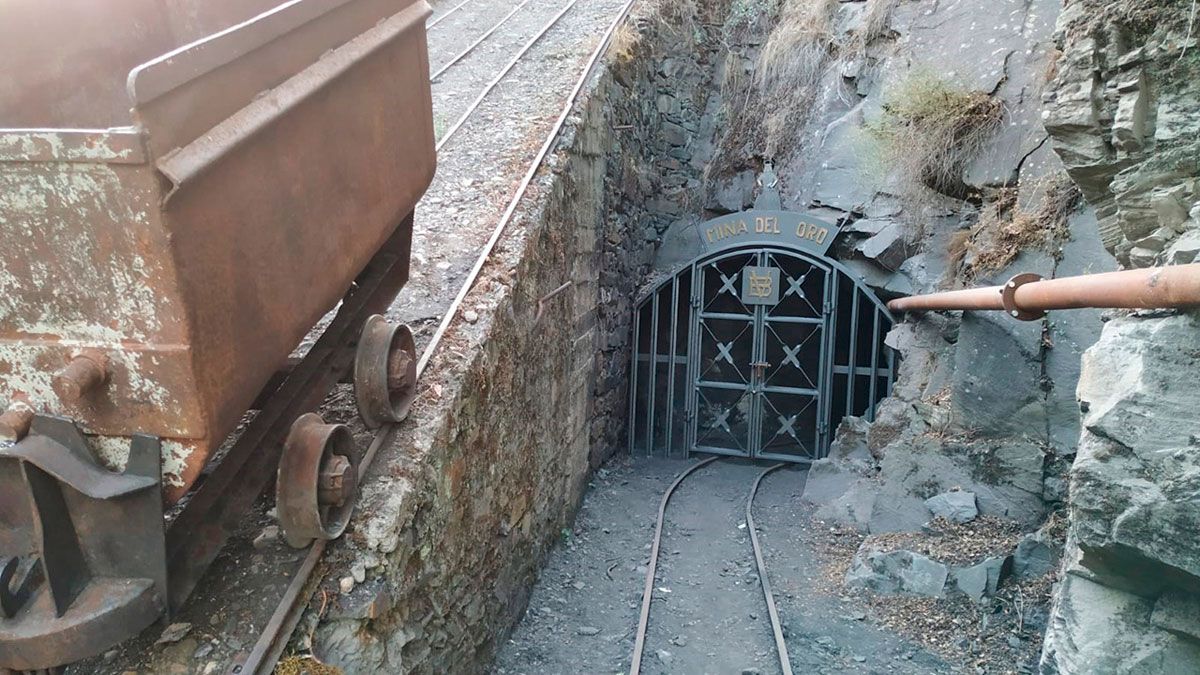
(760, 285)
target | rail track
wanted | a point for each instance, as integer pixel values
(272, 640)
(639, 644)
(442, 17)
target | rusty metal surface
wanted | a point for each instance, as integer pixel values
(14, 422)
(317, 481)
(77, 81)
(1151, 288)
(1008, 297)
(84, 565)
(214, 511)
(385, 372)
(178, 242)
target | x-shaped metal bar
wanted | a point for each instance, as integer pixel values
(724, 350)
(796, 286)
(722, 420)
(789, 355)
(727, 284)
(787, 426)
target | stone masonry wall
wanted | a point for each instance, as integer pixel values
(516, 408)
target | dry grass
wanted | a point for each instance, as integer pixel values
(797, 47)
(1006, 226)
(957, 248)
(679, 17)
(875, 20)
(741, 118)
(929, 131)
(305, 665)
(790, 65)
(623, 46)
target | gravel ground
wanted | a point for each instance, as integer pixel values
(481, 165)
(708, 614)
(478, 171)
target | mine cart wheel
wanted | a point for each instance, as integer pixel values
(385, 372)
(318, 481)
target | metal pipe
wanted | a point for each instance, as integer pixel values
(1026, 296)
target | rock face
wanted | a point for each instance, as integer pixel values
(958, 507)
(1134, 485)
(1127, 602)
(1121, 114)
(1097, 629)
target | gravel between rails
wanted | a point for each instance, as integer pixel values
(479, 168)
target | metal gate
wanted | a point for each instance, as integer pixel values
(756, 352)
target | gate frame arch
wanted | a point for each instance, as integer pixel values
(811, 250)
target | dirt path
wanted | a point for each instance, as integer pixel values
(708, 614)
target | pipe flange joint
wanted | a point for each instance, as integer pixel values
(1008, 294)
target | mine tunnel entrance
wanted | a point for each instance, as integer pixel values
(757, 348)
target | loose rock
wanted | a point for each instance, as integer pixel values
(174, 633)
(958, 507)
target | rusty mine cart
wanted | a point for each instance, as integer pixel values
(186, 188)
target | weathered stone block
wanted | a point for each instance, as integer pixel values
(1096, 629)
(887, 247)
(1035, 556)
(827, 480)
(1185, 249)
(988, 355)
(1179, 613)
(1138, 383)
(897, 572)
(853, 508)
(982, 579)
(1005, 476)
(957, 507)
(850, 441)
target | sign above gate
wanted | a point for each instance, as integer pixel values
(758, 227)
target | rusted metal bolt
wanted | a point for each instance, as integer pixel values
(398, 365)
(84, 374)
(336, 482)
(14, 423)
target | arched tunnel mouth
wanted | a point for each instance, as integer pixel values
(756, 352)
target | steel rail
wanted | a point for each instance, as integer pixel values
(274, 637)
(458, 124)
(639, 643)
(1027, 296)
(785, 663)
(551, 138)
(471, 47)
(442, 17)
(268, 648)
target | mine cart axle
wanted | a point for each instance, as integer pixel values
(1028, 296)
